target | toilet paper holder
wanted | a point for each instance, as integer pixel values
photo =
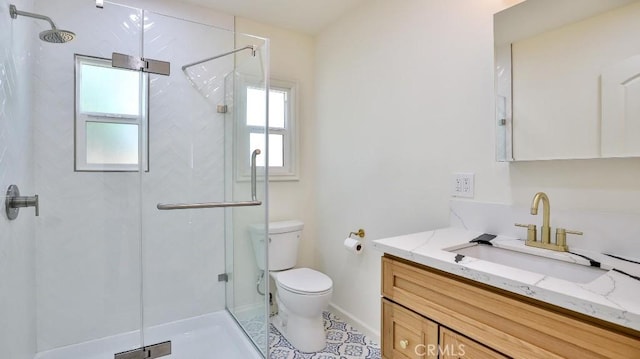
(359, 233)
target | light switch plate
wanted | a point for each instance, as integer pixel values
(463, 185)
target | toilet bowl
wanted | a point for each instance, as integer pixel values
(302, 294)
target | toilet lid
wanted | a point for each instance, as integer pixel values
(305, 280)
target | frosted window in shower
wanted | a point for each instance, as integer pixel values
(109, 91)
(111, 122)
(281, 129)
(112, 143)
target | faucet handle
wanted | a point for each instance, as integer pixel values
(561, 237)
(531, 231)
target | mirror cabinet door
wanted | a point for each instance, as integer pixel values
(567, 80)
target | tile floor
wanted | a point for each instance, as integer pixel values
(343, 342)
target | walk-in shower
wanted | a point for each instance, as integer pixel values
(103, 271)
(54, 35)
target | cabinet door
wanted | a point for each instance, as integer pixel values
(456, 346)
(407, 334)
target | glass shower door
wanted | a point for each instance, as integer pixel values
(191, 161)
(87, 171)
(246, 251)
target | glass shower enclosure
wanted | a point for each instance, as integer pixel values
(130, 135)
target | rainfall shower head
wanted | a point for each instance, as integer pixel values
(54, 35)
(57, 36)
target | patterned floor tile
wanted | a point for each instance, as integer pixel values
(343, 342)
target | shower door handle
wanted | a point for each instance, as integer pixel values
(253, 202)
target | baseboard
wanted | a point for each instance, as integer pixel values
(371, 333)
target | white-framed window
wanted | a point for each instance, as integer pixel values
(283, 139)
(110, 117)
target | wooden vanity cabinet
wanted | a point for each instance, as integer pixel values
(455, 346)
(407, 334)
(490, 323)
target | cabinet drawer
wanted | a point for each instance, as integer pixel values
(407, 334)
(456, 346)
(516, 326)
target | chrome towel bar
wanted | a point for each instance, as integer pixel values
(254, 199)
(165, 207)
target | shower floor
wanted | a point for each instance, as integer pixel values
(210, 336)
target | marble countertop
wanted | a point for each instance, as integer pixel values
(613, 296)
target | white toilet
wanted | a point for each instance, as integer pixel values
(302, 294)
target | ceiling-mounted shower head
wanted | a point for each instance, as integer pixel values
(54, 35)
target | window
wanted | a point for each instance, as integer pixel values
(111, 121)
(282, 135)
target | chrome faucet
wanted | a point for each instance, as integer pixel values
(545, 236)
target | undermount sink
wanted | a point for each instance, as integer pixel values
(573, 272)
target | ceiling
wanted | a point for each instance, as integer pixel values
(308, 16)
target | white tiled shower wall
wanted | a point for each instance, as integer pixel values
(17, 259)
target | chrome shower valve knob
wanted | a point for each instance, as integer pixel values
(14, 202)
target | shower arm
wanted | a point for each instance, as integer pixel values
(254, 200)
(253, 53)
(14, 12)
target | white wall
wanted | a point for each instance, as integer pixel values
(17, 258)
(405, 98)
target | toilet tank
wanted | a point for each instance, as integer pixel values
(284, 238)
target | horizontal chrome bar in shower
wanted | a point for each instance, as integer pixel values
(165, 207)
(254, 198)
(253, 53)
